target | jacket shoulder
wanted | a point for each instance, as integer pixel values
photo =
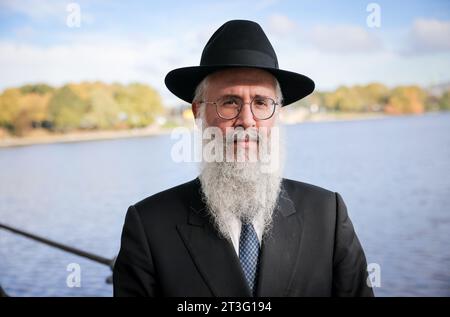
(307, 190)
(311, 200)
(167, 203)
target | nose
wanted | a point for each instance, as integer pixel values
(245, 118)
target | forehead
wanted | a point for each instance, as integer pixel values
(240, 79)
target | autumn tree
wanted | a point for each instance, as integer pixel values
(406, 99)
(9, 108)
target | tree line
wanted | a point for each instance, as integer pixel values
(78, 106)
(377, 97)
(114, 106)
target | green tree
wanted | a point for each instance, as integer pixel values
(40, 89)
(66, 109)
(345, 99)
(444, 101)
(103, 110)
(139, 103)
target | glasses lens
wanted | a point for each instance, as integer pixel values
(228, 107)
(263, 107)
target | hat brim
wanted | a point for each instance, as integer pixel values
(182, 82)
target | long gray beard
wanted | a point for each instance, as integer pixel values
(239, 190)
(242, 190)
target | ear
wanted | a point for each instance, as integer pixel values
(195, 106)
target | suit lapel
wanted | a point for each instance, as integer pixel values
(214, 257)
(280, 249)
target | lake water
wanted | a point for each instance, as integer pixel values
(393, 173)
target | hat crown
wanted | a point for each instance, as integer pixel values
(239, 42)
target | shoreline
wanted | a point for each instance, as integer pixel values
(86, 136)
(80, 136)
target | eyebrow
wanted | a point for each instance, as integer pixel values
(239, 97)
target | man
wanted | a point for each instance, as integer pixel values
(240, 229)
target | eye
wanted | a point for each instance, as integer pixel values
(230, 102)
(260, 102)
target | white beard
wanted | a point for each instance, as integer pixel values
(239, 189)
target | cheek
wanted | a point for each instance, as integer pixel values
(213, 120)
(265, 126)
(266, 123)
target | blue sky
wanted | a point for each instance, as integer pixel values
(126, 41)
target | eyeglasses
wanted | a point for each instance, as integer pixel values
(229, 107)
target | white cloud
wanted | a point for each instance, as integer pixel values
(279, 24)
(92, 57)
(429, 36)
(46, 9)
(330, 70)
(37, 9)
(62, 63)
(344, 39)
(109, 58)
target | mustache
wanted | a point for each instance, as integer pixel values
(241, 134)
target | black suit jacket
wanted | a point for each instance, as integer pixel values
(170, 248)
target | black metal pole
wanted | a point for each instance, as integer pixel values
(2, 292)
(93, 257)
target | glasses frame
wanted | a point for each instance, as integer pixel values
(275, 104)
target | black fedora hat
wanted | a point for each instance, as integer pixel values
(238, 43)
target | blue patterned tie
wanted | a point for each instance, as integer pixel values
(249, 254)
